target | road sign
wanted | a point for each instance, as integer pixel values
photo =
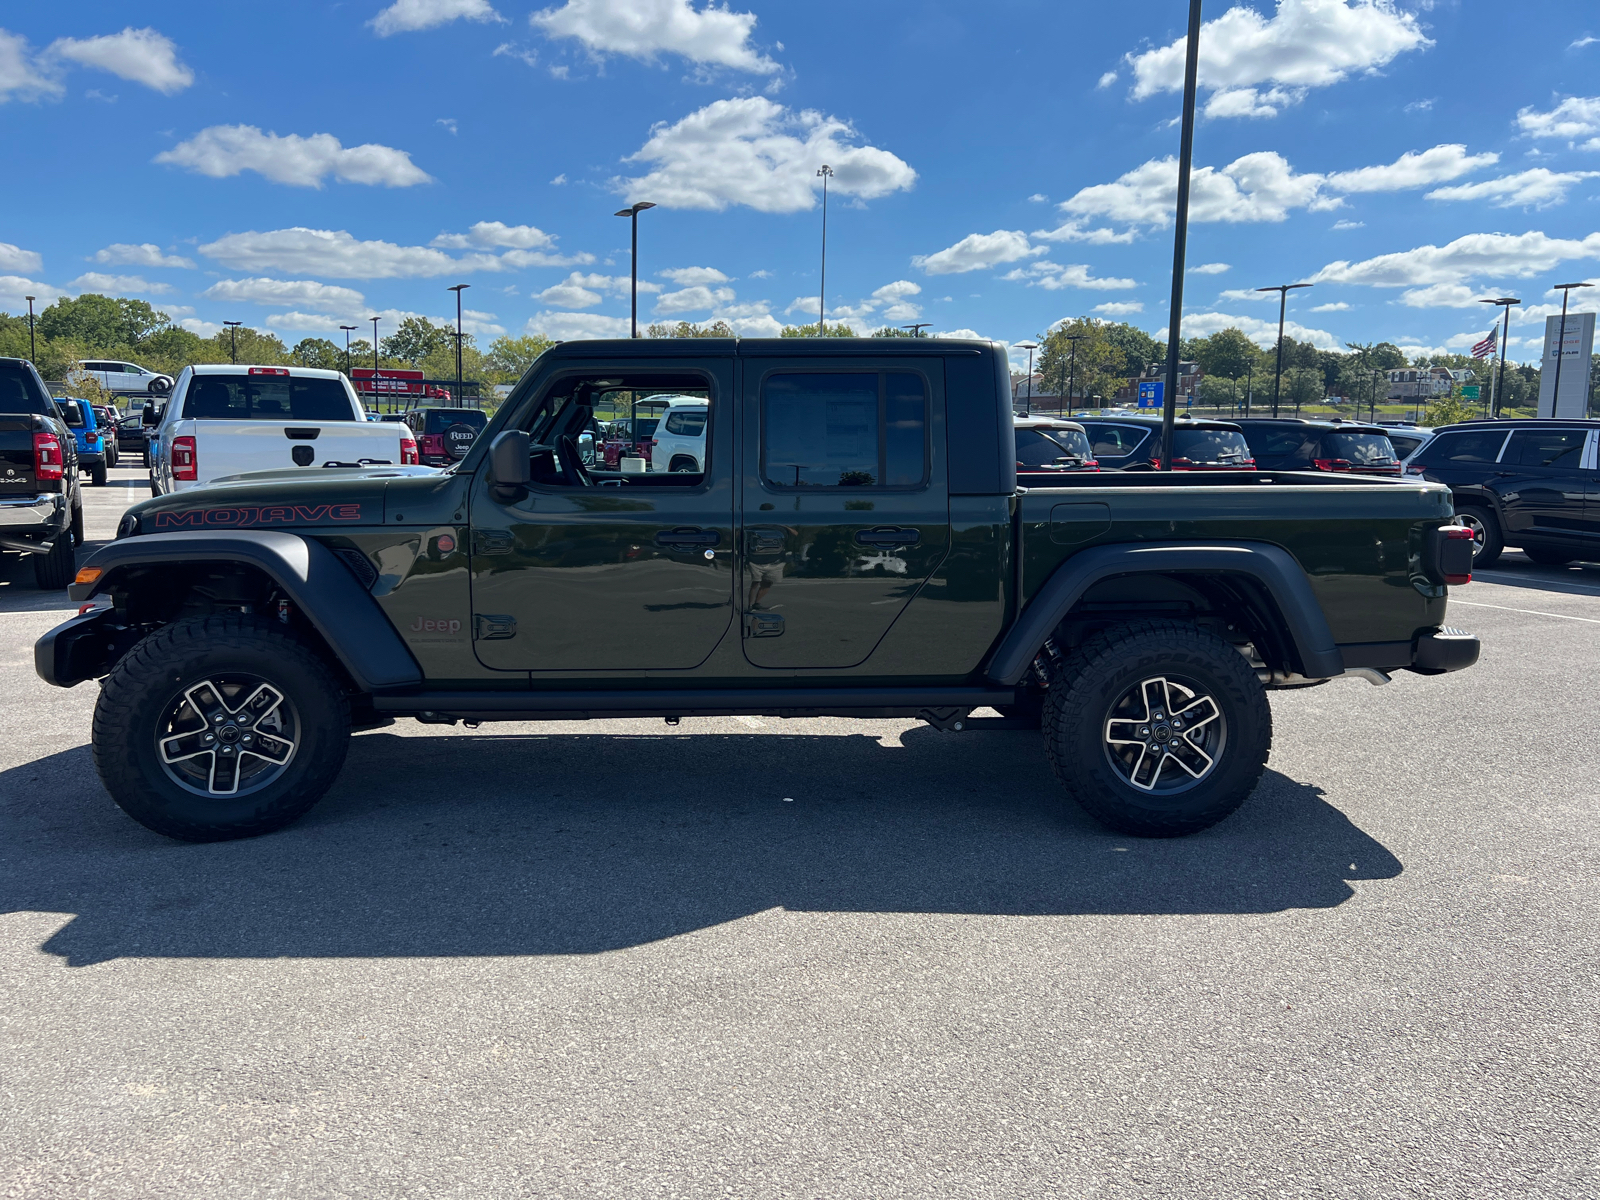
(1469, 391)
(1150, 394)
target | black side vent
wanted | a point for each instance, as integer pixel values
(360, 566)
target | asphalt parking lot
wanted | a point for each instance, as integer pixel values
(823, 958)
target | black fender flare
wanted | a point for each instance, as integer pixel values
(1271, 566)
(310, 575)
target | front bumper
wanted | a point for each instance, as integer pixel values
(30, 523)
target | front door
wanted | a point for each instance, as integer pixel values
(1540, 484)
(845, 503)
(592, 570)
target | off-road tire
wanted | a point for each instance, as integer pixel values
(1488, 541)
(1109, 666)
(1548, 557)
(97, 474)
(53, 572)
(77, 525)
(137, 696)
(111, 458)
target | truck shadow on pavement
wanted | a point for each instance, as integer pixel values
(578, 843)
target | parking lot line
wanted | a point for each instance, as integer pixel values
(1532, 612)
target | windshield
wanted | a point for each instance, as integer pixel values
(267, 398)
(1209, 446)
(440, 419)
(1038, 448)
(1361, 448)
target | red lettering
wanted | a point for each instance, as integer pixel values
(311, 515)
(347, 512)
(191, 516)
(275, 514)
(222, 516)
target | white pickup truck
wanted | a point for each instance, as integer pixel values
(227, 420)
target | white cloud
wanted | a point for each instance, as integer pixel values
(570, 295)
(754, 152)
(479, 324)
(1119, 308)
(1413, 170)
(1580, 43)
(406, 16)
(1073, 231)
(643, 29)
(762, 274)
(224, 150)
(138, 55)
(284, 293)
(568, 326)
(522, 259)
(759, 325)
(201, 328)
(1263, 333)
(1305, 44)
(512, 50)
(449, 123)
(805, 306)
(1257, 187)
(1573, 118)
(1419, 105)
(560, 180)
(693, 276)
(1214, 268)
(1038, 198)
(971, 335)
(146, 254)
(1349, 225)
(493, 235)
(329, 252)
(978, 250)
(1442, 295)
(20, 74)
(1336, 306)
(1249, 295)
(14, 290)
(579, 290)
(1107, 79)
(117, 285)
(15, 258)
(1054, 277)
(692, 299)
(899, 290)
(1475, 256)
(1538, 188)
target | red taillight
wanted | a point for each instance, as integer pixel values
(1091, 464)
(48, 460)
(1416, 469)
(408, 449)
(185, 462)
(1331, 464)
(1179, 461)
(269, 370)
(1457, 533)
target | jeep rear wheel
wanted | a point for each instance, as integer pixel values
(220, 727)
(1158, 729)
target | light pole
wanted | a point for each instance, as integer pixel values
(1072, 369)
(825, 172)
(1030, 347)
(916, 330)
(458, 289)
(1504, 303)
(347, 329)
(1283, 290)
(632, 213)
(1561, 344)
(33, 350)
(233, 340)
(1249, 384)
(1180, 236)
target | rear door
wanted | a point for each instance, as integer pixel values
(845, 503)
(1539, 481)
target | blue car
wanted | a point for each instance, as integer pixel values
(85, 425)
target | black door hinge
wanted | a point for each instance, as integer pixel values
(492, 627)
(492, 541)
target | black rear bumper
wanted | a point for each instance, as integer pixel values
(1444, 649)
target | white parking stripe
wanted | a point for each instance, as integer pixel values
(1532, 612)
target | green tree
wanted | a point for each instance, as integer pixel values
(1138, 348)
(101, 323)
(511, 357)
(839, 330)
(417, 339)
(318, 352)
(891, 331)
(1227, 354)
(255, 347)
(1095, 368)
(171, 349)
(689, 329)
(1447, 410)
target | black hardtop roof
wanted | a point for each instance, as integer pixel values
(1155, 422)
(1325, 423)
(764, 347)
(1522, 423)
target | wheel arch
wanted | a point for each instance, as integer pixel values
(1263, 578)
(340, 612)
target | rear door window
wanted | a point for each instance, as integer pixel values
(1476, 446)
(687, 423)
(267, 398)
(1561, 448)
(1405, 443)
(844, 429)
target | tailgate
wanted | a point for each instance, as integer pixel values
(16, 456)
(235, 447)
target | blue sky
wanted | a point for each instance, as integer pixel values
(998, 167)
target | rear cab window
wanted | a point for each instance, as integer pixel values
(22, 392)
(245, 397)
(1364, 449)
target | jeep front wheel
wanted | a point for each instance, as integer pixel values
(1158, 729)
(220, 727)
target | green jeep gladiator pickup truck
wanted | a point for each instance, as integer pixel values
(856, 545)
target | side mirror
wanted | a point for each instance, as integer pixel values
(508, 464)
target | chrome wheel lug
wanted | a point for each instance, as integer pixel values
(211, 737)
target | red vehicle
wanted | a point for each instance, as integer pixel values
(373, 383)
(444, 435)
(630, 437)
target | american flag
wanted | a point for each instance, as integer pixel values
(1485, 348)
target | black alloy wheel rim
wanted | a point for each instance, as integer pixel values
(1165, 735)
(227, 735)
